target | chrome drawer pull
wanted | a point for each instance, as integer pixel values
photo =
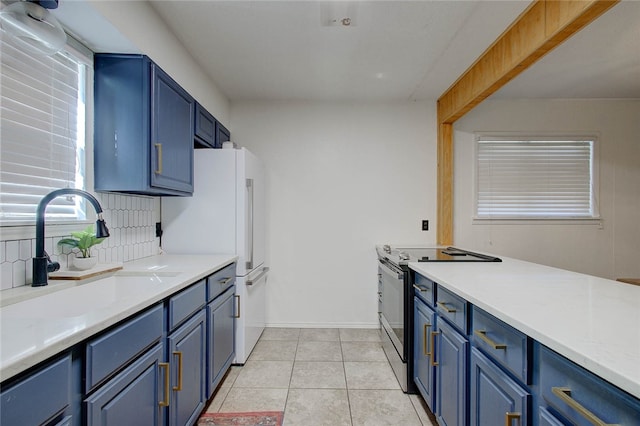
(225, 280)
(510, 417)
(482, 334)
(444, 306)
(420, 289)
(565, 395)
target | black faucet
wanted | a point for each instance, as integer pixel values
(42, 264)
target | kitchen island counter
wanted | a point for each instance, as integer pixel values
(36, 328)
(592, 321)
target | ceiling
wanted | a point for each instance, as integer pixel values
(392, 50)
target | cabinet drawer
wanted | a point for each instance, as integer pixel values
(185, 303)
(219, 282)
(108, 352)
(39, 397)
(424, 289)
(503, 343)
(581, 396)
(452, 307)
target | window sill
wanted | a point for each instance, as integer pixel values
(25, 232)
(531, 221)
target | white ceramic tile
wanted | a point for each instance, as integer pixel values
(13, 250)
(359, 335)
(273, 350)
(3, 250)
(363, 351)
(19, 273)
(6, 275)
(280, 334)
(320, 334)
(265, 374)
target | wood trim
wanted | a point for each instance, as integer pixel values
(544, 25)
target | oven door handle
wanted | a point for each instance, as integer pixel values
(389, 270)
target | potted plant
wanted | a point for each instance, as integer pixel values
(83, 241)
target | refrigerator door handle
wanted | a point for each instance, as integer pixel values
(252, 281)
(249, 262)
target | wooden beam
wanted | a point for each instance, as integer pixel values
(544, 25)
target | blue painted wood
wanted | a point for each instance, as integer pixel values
(607, 402)
(137, 106)
(493, 394)
(515, 357)
(220, 338)
(132, 396)
(111, 350)
(172, 124)
(205, 128)
(185, 303)
(451, 376)
(222, 134)
(189, 340)
(220, 281)
(39, 397)
(546, 418)
(427, 289)
(423, 371)
(453, 308)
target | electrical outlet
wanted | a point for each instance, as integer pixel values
(158, 229)
(425, 225)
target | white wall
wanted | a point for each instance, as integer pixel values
(141, 25)
(341, 178)
(611, 250)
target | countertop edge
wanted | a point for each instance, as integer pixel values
(606, 372)
(14, 368)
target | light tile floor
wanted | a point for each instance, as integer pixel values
(320, 377)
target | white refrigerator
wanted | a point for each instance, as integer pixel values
(226, 215)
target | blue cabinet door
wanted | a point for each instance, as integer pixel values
(134, 396)
(186, 354)
(495, 398)
(451, 375)
(220, 338)
(143, 128)
(172, 132)
(424, 325)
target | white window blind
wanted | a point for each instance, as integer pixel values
(42, 132)
(535, 179)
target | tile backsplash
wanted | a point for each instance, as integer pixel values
(131, 221)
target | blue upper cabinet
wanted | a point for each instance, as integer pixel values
(144, 128)
(205, 128)
(222, 134)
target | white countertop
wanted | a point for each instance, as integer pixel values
(65, 313)
(592, 321)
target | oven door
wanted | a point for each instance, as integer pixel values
(392, 310)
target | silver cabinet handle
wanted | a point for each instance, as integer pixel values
(249, 262)
(256, 279)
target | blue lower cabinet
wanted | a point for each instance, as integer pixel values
(135, 396)
(581, 397)
(451, 349)
(423, 370)
(545, 418)
(495, 398)
(220, 338)
(186, 355)
(42, 397)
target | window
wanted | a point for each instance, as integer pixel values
(535, 177)
(43, 117)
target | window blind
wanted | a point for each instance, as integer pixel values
(41, 108)
(535, 179)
